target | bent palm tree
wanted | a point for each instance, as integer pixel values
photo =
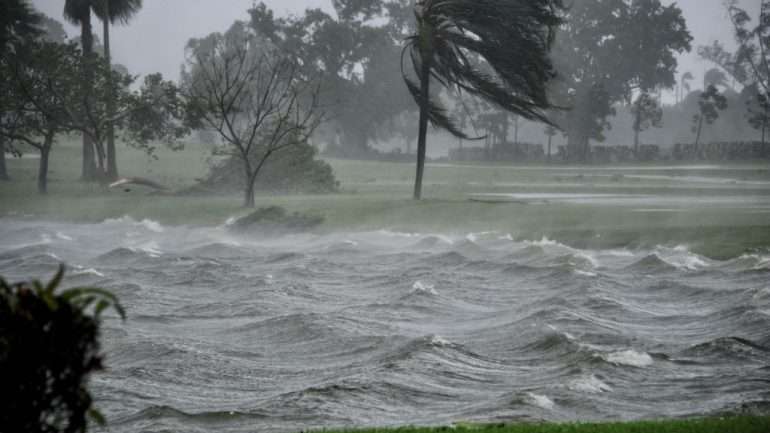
(78, 12)
(110, 12)
(511, 39)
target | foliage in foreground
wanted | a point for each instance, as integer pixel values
(48, 347)
(705, 425)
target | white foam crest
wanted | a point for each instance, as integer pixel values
(152, 249)
(474, 237)
(148, 224)
(419, 286)
(545, 242)
(541, 401)
(89, 271)
(395, 234)
(629, 357)
(586, 273)
(439, 341)
(589, 384)
(63, 237)
(681, 258)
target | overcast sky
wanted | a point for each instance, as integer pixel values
(155, 39)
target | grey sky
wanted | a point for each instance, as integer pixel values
(155, 39)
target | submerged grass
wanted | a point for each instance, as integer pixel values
(375, 195)
(705, 425)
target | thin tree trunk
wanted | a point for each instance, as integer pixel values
(87, 40)
(42, 174)
(516, 130)
(112, 165)
(548, 157)
(423, 132)
(248, 199)
(697, 136)
(3, 168)
(636, 143)
(637, 127)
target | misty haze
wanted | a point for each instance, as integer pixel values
(325, 215)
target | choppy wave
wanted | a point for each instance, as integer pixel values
(387, 328)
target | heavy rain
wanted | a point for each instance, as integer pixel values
(335, 215)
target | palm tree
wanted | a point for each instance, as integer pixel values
(78, 12)
(110, 12)
(510, 38)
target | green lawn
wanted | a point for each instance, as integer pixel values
(707, 425)
(376, 195)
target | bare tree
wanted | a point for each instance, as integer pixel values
(255, 97)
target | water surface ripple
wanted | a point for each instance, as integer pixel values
(240, 334)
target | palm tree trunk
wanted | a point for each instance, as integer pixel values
(112, 165)
(87, 40)
(423, 133)
(3, 168)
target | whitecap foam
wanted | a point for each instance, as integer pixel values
(437, 340)
(681, 258)
(89, 271)
(585, 273)
(589, 384)
(148, 224)
(421, 287)
(629, 357)
(63, 237)
(151, 248)
(545, 242)
(539, 400)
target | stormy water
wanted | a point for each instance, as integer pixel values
(244, 333)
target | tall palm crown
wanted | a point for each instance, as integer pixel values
(512, 39)
(494, 49)
(116, 11)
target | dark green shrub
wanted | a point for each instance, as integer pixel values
(49, 344)
(276, 219)
(294, 169)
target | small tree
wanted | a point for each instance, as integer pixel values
(49, 346)
(48, 99)
(710, 104)
(42, 82)
(647, 113)
(255, 98)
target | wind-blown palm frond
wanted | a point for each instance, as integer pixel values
(510, 37)
(120, 11)
(74, 10)
(496, 50)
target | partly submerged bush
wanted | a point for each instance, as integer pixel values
(276, 219)
(294, 169)
(49, 344)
